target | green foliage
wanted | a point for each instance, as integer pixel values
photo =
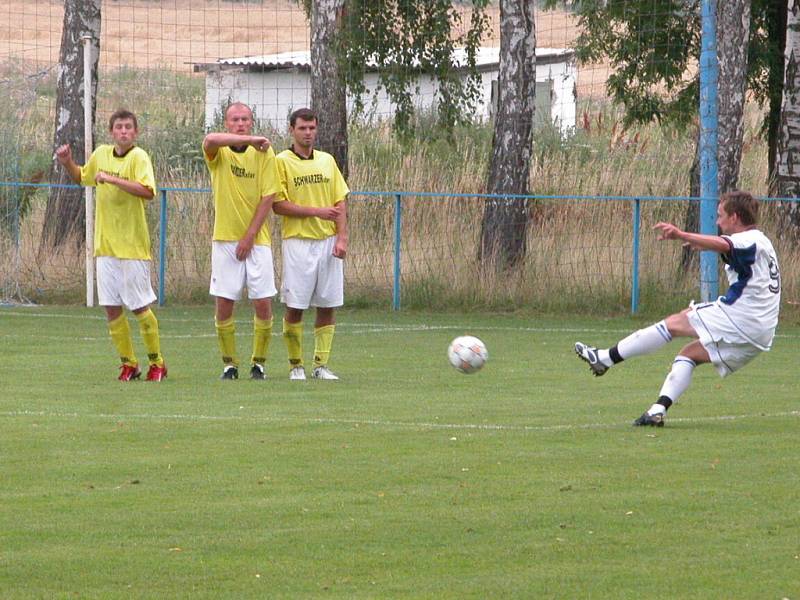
(653, 48)
(405, 38)
(23, 157)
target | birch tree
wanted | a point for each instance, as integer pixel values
(788, 168)
(733, 40)
(66, 211)
(328, 96)
(505, 220)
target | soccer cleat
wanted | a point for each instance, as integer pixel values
(649, 421)
(297, 374)
(588, 354)
(323, 372)
(257, 372)
(157, 372)
(129, 372)
(229, 372)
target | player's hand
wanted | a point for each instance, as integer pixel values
(329, 213)
(340, 247)
(244, 247)
(260, 143)
(64, 154)
(102, 177)
(668, 231)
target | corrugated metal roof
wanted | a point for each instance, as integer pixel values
(302, 58)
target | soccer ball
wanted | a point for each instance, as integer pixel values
(467, 354)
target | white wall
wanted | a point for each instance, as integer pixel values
(275, 94)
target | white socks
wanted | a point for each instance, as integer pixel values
(644, 341)
(679, 378)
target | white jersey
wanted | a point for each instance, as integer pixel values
(754, 294)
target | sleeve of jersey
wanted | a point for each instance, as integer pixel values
(270, 179)
(340, 189)
(210, 161)
(282, 179)
(143, 170)
(89, 170)
(741, 256)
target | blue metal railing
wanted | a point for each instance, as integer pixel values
(398, 197)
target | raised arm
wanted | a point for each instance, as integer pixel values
(695, 241)
(64, 156)
(214, 141)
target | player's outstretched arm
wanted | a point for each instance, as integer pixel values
(64, 156)
(696, 241)
(214, 141)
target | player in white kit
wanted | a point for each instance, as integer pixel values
(730, 331)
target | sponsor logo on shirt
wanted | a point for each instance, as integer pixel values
(302, 180)
(240, 172)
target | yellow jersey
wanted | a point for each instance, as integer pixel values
(314, 181)
(120, 224)
(239, 180)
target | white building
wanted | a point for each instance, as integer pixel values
(277, 84)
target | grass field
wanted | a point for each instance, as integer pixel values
(404, 479)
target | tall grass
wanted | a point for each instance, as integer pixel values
(579, 252)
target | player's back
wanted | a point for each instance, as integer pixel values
(754, 293)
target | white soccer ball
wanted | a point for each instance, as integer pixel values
(467, 354)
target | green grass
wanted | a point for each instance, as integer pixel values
(404, 479)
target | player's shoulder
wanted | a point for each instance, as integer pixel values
(750, 236)
(286, 154)
(139, 153)
(323, 156)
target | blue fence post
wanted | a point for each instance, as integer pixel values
(637, 219)
(162, 248)
(709, 117)
(398, 229)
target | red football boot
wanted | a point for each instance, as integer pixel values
(129, 372)
(157, 373)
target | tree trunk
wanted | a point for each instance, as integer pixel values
(776, 30)
(788, 167)
(505, 220)
(65, 214)
(733, 35)
(733, 40)
(691, 222)
(328, 96)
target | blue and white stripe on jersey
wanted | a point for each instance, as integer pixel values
(741, 260)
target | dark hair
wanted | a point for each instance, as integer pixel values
(122, 113)
(742, 204)
(305, 114)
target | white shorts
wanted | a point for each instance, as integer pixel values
(229, 275)
(312, 275)
(727, 347)
(124, 282)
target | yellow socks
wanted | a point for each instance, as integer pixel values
(226, 336)
(148, 327)
(121, 336)
(262, 334)
(323, 340)
(293, 336)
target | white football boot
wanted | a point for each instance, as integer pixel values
(297, 374)
(323, 372)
